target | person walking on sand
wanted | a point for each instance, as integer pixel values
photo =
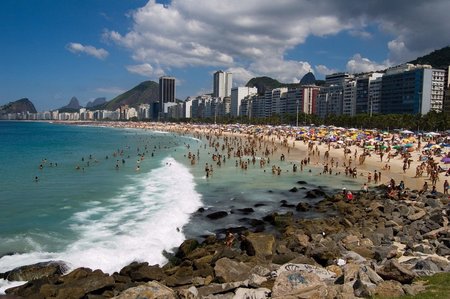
(446, 185)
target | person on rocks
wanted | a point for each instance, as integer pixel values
(229, 239)
(349, 195)
(365, 188)
(424, 188)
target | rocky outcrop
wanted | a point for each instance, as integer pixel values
(372, 246)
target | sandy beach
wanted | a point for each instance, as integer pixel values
(322, 151)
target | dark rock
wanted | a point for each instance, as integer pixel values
(293, 189)
(257, 205)
(143, 272)
(182, 276)
(35, 271)
(186, 248)
(384, 252)
(315, 193)
(150, 290)
(246, 211)
(302, 182)
(217, 215)
(285, 204)
(303, 207)
(228, 270)
(393, 270)
(201, 210)
(324, 255)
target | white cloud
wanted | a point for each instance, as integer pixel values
(252, 35)
(145, 70)
(359, 64)
(241, 75)
(324, 70)
(77, 48)
(256, 35)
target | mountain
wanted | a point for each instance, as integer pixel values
(439, 59)
(22, 105)
(308, 79)
(267, 83)
(96, 102)
(145, 93)
(73, 106)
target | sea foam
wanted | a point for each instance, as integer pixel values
(138, 224)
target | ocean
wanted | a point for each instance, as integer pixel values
(103, 197)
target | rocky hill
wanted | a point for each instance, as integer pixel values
(73, 106)
(19, 106)
(267, 83)
(146, 92)
(438, 59)
(96, 102)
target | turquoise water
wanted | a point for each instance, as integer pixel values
(86, 211)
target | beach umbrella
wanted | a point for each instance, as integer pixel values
(408, 145)
(397, 147)
(406, 132)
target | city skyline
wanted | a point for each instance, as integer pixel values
(53, 50)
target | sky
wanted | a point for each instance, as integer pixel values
(52, 50)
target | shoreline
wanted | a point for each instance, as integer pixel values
(297, 150)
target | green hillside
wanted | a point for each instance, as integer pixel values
(439, 59)
(145, 93)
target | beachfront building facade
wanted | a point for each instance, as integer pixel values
(167, 92)
(237, 95)
(412, 89)
(222, 82)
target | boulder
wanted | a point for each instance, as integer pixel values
(244, 293)
(142, 272)
(416, 216)
(294, 189)
(393, 270)
(321, 273)
(246, 211)
(227, 270)
(263, 244)
(149, 290)
(35, 271)
(303, 207)
(216, 288)
(298, 284)
(389, 289)
(315, 193)
(217, 215)
(182, 276)
(186, 248)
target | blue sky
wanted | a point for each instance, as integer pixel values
(52, 50)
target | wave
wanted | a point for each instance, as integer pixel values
(137, 225)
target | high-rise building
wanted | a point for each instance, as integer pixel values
(237, 94)
(412, 89)
(222, 84)
(166, 91)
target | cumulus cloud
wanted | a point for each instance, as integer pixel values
(324, 70)
(145, 69)
(254, 36)
(78, 48)
(359, 64)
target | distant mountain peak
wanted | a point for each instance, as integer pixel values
(96, 102)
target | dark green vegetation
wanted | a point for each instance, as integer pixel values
(439, 59)
(432, 121)
(18, 106)
(146, 92)
(437, 287)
